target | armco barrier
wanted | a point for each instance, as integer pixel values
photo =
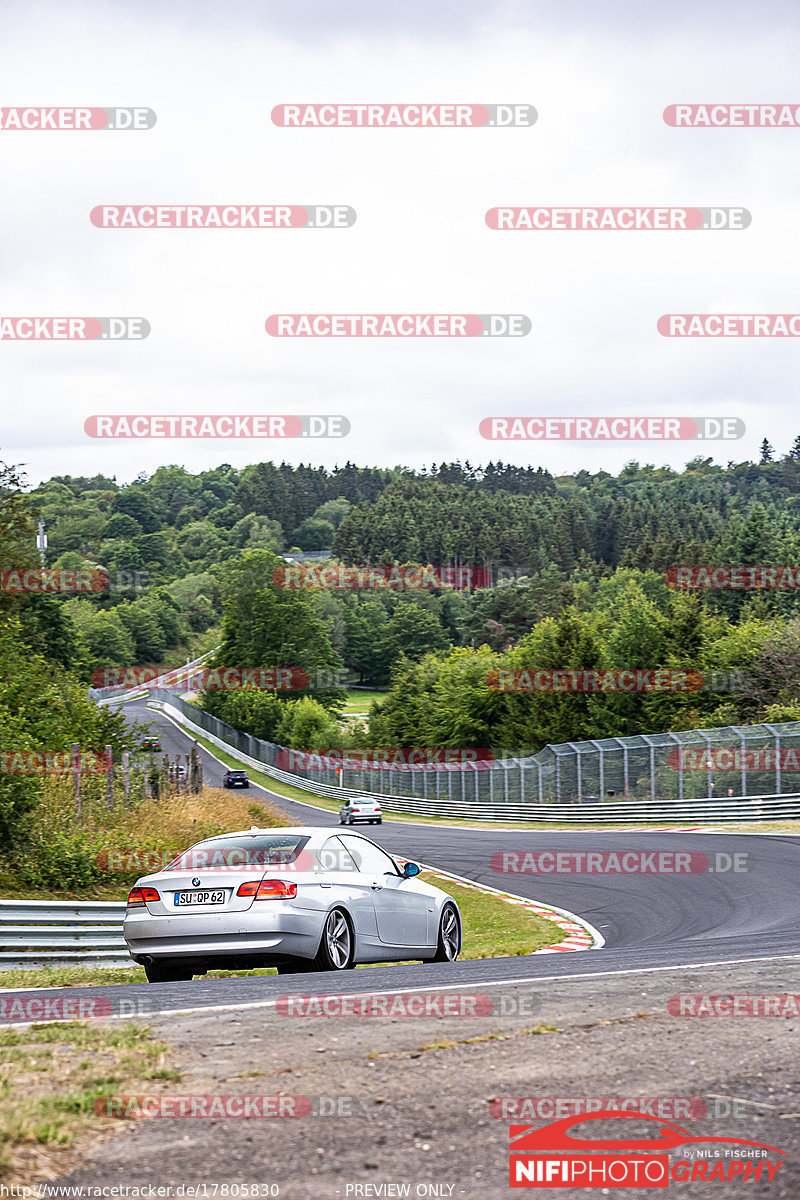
(767, 807)
(62, 933)
(108, 695)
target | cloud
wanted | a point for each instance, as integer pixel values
(599, 81)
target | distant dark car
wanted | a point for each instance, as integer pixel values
(236, 779)
(151, 743)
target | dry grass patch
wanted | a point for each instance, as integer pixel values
(50, 1077)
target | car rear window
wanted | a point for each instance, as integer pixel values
(256, 850)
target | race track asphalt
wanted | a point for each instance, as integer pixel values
(648, 921)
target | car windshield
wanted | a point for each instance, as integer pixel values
(243, 850)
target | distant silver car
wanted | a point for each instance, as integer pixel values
(360, 810)
(299, 899)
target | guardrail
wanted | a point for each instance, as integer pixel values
(107, 695)
(769, 807)
(62, 933)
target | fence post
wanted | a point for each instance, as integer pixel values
(76, 782)
(126, 776)
(109, 778)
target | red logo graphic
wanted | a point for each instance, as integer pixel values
(551, 1156)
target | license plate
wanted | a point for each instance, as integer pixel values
(184, 898)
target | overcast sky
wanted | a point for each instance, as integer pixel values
(599, 77)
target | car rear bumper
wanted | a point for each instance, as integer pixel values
(270, 929)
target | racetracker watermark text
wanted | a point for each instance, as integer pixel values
(223, 216)
(403, 116)
(216, 425)
(627, 219)
(402, 325)
(611, 429)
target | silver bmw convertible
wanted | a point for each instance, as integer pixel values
(299, 899)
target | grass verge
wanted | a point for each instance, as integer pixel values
(50, 1077)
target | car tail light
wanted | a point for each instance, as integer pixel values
(268, 889)
(140, 896)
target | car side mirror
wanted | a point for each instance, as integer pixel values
(410, 869)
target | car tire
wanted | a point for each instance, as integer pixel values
(168, 970)
(379, 821)
(336, 947)
(448, 946)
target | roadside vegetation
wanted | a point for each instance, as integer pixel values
(50, 1077)
(102, 857)
(575, 567)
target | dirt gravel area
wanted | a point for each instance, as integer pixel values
(411, 1102)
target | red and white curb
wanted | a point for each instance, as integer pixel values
(580, 934)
